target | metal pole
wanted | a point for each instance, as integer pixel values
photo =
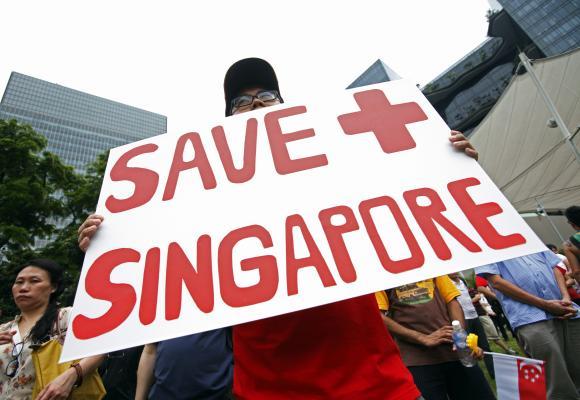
(551, 107)
(543, 210)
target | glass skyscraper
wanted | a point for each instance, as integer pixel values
(77, 125)
(465, 92)
(553, 25)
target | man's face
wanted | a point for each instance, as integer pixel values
(256, 102)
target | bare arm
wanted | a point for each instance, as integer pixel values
(570, 281)
(456, 312)
(145, 371)
(487, 292)
(561, 282)
(476, 298)
(572, 253)
(566, 263)
(90, 364)
(440, 336)
(62, 385)
(555, 307)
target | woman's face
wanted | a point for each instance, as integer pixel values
(32, 288)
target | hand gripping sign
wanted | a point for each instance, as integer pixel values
(281, 209)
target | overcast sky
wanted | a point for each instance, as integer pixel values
(170, 57)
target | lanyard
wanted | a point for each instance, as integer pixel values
(17, 340)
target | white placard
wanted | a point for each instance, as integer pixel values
(347, 194)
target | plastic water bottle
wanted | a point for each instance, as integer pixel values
(460, 342)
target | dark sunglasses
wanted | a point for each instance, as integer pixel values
(247, 99)
(14, 364)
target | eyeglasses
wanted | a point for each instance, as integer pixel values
(14, 364)
(246, 99)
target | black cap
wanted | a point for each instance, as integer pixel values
(248, 73)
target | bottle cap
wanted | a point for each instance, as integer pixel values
(455, 324)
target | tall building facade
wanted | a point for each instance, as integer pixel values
(77, 125)
(465, 92)
(553, 25)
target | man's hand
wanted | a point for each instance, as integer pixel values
(88, 229)
(477, 354)
(560, 308)
(440, 336)
(460, 142)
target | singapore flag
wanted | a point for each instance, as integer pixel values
(519, 378)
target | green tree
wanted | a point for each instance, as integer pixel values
(36, 189)
(81, 201)
(30, 182)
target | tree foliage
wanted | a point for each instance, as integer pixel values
(30, 181)
(36, 190)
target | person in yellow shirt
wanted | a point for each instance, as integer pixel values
(419, 316)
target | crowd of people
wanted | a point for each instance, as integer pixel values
(395, 344)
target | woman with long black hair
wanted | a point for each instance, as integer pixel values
(36, 289)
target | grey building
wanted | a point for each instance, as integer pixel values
(553, 25)
(77, 125)
(465, 92)
(378, 72)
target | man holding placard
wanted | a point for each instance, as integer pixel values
(339, 350)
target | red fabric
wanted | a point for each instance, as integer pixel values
(531, 380)
(479, 281)
(338, 351)
(571, 291)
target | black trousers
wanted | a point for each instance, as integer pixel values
(451, 381)
(500, 319)
(474, 326)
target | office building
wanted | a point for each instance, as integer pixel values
(466, 91)
(553, 25)
(77, 125)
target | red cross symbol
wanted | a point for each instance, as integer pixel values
(386, 121)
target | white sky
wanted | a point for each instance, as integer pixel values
(170, 57)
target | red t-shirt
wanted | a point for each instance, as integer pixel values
(337, 351)
(479, 281)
